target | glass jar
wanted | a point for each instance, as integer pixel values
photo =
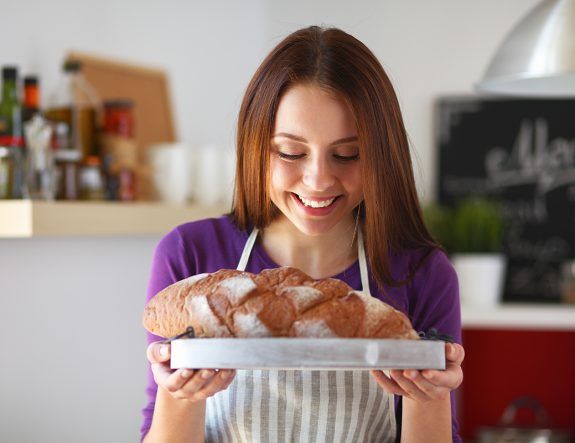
(6, 171)
(119, 150)
(92, 185)
(67, 174)
(118, 118)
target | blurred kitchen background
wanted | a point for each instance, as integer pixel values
(164, 81)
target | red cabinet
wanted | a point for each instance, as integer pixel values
(502, 364)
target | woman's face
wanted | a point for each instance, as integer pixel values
(315, 169)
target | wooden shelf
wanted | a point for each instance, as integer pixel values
(26, 218)
(520, 316)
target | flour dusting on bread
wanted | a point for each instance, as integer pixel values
(274, 303)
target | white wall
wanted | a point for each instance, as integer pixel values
(73, 348)
(72, 361)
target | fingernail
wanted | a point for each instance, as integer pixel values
(185, 373)
(224, 374)
(164, 351)
(206, 374)
(411, 374)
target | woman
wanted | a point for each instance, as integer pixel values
(324, 183)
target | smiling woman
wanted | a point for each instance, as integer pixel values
(322, 163)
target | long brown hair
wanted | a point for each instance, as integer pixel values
(390, 214)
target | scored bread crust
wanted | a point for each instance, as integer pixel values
(280, 302)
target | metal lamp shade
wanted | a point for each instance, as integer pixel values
(537, 58)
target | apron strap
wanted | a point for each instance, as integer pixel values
(247, 250)
(360, 254)
(362, 263)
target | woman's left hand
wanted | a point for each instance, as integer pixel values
(428, 384)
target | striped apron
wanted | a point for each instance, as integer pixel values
(301, 406)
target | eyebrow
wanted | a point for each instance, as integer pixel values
(297, 138)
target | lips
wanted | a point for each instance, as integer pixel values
(316, 206)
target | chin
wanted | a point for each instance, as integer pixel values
(314, 228)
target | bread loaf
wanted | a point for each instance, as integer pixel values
(281, 302)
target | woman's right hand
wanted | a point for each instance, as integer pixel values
(189, 384)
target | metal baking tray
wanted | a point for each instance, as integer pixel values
(307, 353)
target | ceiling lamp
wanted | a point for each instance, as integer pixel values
(537, 58)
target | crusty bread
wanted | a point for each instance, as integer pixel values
(281, 302)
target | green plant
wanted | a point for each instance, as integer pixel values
(438, 221)
(474, 225)
(477, 226)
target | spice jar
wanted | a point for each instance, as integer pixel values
(6, 171)
(118, 118)
(91, 179)
(119, 150)
(67, 174)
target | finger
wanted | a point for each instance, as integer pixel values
(176, 380)
(194, 384)
(158, 352)
(454, 353)
(450, 378)
(430, 390)
(410, 388)
(220, 381)
(386, 383)
(161, 372)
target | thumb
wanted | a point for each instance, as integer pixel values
(158, 352)
(455, 353)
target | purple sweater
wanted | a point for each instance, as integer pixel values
(430, 299)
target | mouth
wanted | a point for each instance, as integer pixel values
(316, 203)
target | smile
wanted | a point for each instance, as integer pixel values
(316, 203)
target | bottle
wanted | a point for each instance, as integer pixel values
(76, 103)
(31, 103)
(11, 128)
(40, 173)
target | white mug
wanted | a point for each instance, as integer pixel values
(171, 171)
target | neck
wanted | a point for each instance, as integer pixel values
(320, 256)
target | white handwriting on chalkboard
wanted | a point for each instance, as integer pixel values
(534, 159)
(543, 250)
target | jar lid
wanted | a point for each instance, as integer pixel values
(119, 103)
(92, 160)
(31, 80)
(68, 155)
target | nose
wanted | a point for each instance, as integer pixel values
(318, 174)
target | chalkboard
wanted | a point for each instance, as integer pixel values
(522, 153)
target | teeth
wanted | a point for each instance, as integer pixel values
(316, 204)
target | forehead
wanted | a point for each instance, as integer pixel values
(313, 113)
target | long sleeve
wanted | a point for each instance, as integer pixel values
(433, 302)
(169, 265)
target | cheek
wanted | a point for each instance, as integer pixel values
(281, 176)
(353, 180)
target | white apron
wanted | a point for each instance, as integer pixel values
(301, 406)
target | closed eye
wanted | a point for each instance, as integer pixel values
(290, 156)
(346, 158)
